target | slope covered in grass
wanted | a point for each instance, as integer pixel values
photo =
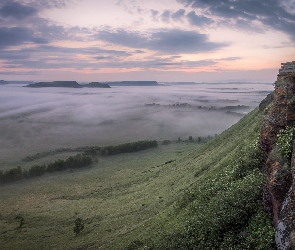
(162, 198)
(222, 209)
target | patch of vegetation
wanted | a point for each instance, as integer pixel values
(285, 140)
(16, 174)
(79, 226)
(78, 161)
(21, 221)
(209, 198)
(224, 208)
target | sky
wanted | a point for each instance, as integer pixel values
(162, 40)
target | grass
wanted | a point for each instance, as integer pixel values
(178, 196)
(112, 197)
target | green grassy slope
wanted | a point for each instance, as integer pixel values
(169, 197)
(222, 208)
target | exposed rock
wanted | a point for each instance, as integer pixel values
(280, 114)
(286, 222)
(266, 102)
(280, 174)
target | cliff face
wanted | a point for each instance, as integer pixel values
(279, 170)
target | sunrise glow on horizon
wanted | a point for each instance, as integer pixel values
(170, 40)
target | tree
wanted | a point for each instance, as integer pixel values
(79, 226)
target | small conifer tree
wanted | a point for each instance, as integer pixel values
(79, 226)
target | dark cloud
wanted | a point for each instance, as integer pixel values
(17, 36)
(16, 10)
(122, 37)
(180, 41)
(154, 13)
(156, 63)
(51, 4)
(198, 20)
(19, 73)
(275, 14)
(101, 57)
(169, 41)
(38, 58)
(178, 14)
(165, 16)
(52, 57)
(138, 51)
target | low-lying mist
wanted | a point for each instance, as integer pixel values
(36, 120)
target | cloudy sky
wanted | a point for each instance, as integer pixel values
(163, 40)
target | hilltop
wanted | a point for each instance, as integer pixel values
(67, 84)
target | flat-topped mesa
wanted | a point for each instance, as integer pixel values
(97, 85)
(277, 142)
(287, 68)
(65, 84)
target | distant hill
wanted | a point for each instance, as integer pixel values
(97, 85)
(133, 83)
(20, 82)
(2, 82)
(66, 84)
(74, 84)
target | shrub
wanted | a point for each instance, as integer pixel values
(285, 140)
(37, 170)
(21, 221)
(13, 174)
(79, 226)
(225, 209)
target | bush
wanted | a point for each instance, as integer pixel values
(225, 210)
(37, 170)
(285, 140)
(79, 226)
(13, 174)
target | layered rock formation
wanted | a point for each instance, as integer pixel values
(279, 169)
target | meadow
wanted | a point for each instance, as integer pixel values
(36, 120)
(159, 198)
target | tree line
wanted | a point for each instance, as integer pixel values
(84, 159)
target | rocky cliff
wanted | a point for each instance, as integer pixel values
(277, 143)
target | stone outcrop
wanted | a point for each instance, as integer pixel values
(280, 172)
(286, 68)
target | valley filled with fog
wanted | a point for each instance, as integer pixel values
(36, 120)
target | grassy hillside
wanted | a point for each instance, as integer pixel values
(222, 208)
(172, 197)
